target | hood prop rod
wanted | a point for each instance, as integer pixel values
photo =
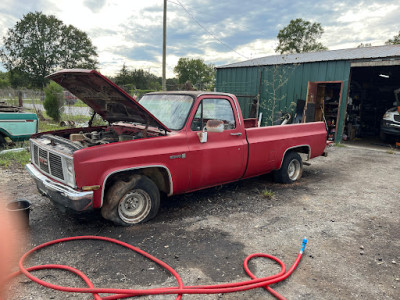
(91, 119)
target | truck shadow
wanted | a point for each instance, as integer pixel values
(242, 196)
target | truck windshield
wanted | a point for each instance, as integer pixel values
(171, 110)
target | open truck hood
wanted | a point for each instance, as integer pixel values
(104, 97)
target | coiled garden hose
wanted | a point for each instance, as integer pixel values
(179, 291)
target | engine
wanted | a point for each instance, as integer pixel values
(69, 143)
(94, 138)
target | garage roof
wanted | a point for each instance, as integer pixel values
(378, 52)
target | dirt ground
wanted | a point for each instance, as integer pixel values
(347, 205)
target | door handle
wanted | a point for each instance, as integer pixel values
(236, 133)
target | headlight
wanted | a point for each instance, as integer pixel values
(387, 116)
(70, 172)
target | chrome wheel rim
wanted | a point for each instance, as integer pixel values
(294, 170)
(135, 206)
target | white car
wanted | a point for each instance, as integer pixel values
(390, 125)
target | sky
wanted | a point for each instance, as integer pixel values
(218, 31)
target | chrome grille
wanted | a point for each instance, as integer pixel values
(48, 162)
(35, 154)
(56, 166)
(43, 160)
(397, 118)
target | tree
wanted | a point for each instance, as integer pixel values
(144, 80)
(362, 45)
(276, 95)
(53, 101)
(137, 79)
(18, 79)
(394, 41)
(123, 77)
(4, 80)
(39, 44)
(300, 36)
(172, 84)
(201, 75)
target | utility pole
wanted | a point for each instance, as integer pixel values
(164, 80)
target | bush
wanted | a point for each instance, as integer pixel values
(53, 101)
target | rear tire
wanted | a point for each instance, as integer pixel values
(291, 169)
(133, 202)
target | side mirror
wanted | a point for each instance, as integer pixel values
(211, 126)
(202, 136)
(215, 126)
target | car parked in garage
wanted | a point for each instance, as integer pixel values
(390, 124)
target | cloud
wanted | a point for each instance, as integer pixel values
(353, 26)
(219, 32)
(94, 5)
(12, 11)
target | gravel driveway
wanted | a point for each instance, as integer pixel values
(346, 204)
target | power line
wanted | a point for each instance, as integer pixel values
(205, 29)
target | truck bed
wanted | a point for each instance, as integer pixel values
(268, 145)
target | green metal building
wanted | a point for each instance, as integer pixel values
(349, 89)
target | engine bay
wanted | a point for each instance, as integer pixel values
(93, 138)
(71, 140)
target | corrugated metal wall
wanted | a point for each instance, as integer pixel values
(281, 86)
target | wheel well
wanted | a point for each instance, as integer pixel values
(299, 149)
(2, 138)
(3, 132)
(158, 175)
(302, 149)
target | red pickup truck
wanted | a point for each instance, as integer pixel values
(169, 143)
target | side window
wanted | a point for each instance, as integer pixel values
(214, 109)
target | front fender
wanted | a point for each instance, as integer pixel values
(100, 194)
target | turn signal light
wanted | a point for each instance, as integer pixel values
(90, 188)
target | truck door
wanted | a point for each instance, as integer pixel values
(222, 158)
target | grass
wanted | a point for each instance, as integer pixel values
(79, 103)
(10, 160)
(268, 194)
(391, 151)
(340, 145)
(48, 126)
(80, 121)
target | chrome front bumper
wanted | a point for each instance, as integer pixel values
(59, 193)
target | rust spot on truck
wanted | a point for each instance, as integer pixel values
(214, 123)
(215, 126)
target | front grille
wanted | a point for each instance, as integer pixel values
(56, 166)
(35, 154)
(50, 163)
(397, 118)
(43, 160)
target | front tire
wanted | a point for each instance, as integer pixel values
(291, 169)
(133, 202)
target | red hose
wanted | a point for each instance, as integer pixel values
(179, 290)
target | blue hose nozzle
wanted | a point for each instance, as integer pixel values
(303, 245)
